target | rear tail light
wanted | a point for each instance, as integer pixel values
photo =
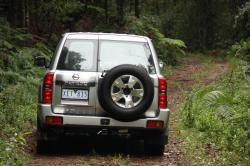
(155, 124)
(56, 120)
(162, 93)
(47, 88)
(48, 79)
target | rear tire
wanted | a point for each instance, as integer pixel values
(42, 146)
(155, 145)
(42, 140)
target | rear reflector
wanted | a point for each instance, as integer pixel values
(155, 124)
(54, 120)
(47, 95)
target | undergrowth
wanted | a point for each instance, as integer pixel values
(18, 91)
(216, 118)
(168, 49)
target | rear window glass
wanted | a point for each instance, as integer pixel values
(114, 53)
(79, 55)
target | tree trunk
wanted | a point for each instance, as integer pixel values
(137, 9)
(131, 5)
(23, 10)
(120, 12)
(106, 11)
(157, 8)
(27, 14)
(86, 5)
(9, 13)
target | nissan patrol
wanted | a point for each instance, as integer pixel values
(103, 84)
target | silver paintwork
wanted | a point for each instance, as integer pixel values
(95, 120)
(92, 113)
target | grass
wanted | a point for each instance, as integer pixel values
(17, 116)
(19, 80)
(114, 160)
(215, 120)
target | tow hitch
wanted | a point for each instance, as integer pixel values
(121, 133)
(103, 132)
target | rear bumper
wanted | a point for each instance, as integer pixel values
(74, 121)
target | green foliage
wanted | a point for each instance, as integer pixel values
(166, 48)
(18, 91)
(120, 160)
(201, 24)
(12, 150)
(242, 21)
(220, 113)
(242, 51)
(15, 53)
(62, 16)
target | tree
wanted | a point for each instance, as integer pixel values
(120, 12)
(131, 5)
(137, 9)
(242, 22)
(106, 11)
(235, 5)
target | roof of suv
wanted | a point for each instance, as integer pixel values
(106, 36)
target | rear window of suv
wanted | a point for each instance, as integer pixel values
(114, 53)
(78, 55)
(81, 55)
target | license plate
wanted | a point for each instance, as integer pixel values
(75, 94)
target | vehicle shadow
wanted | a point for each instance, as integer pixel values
(93, 146)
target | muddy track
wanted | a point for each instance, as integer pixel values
(105, 151)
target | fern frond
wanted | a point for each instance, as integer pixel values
(212, 97)
(224, 111)
(175, 42)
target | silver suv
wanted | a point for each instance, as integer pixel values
(103, 84)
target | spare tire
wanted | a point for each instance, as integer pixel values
(126, 92)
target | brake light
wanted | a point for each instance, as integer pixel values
(163, 100)
(47, 95)
(47, 88)
(162, 92)
(48, 79)
(54, 120)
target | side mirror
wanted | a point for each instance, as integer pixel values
(161, 65)
(40, 61)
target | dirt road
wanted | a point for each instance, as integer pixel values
(122, 152)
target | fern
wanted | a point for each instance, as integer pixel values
(175, 42)
(166, 48)
(220, 112)
(241, 50)
(224, 112)
(211, 98)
